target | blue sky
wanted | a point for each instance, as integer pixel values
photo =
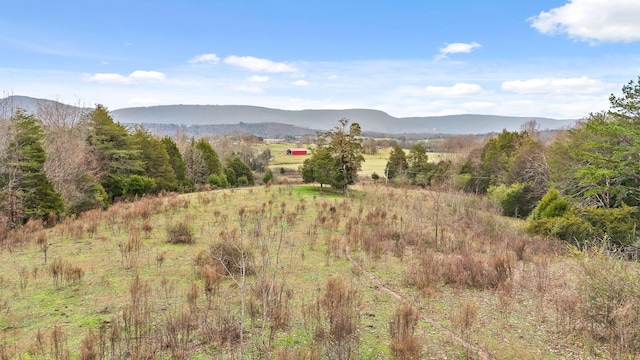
(559, 59)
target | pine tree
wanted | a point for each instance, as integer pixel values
(397, 163)
(241, 169)
(175, 158)
(116, 154)
(214, 166)
(156, 161)
(26, 190)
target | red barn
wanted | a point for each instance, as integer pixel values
(296, 151)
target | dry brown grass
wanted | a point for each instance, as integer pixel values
(173, 301)
(404, 345)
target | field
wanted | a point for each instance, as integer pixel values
(286, 272)
(373, 163)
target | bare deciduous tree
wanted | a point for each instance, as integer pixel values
(69, 158)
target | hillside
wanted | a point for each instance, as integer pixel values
(370, 120)
(267, 122)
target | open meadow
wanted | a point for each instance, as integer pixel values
(373, 162)
(284, 272)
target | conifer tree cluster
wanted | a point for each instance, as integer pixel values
(65, 163)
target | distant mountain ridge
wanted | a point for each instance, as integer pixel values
(369, 120)
(233, 118)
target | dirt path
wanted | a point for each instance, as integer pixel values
(480, 353)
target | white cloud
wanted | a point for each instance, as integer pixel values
(300, 83)
(580, 85)
(258, 79)
(592, 20)
(259, 65)
(144, 101)
(121, 79)
(209, 59)
(459, 89)
(108, 78)
(456, 48)
(147, 75)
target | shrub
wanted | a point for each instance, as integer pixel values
(404, 344)
(567, 227)
(619, 224)
(268, 176)
(462, 182)
(243, 181)
(609, 293)
(236, 258)
(139, 185)
(551, 205)
(231, 176)
(514, 200)
(218, 181)
(585, 225)
(180, 233)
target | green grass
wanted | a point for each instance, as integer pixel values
(373, 162)
(298, 235)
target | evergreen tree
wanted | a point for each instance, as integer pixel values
(397, 163)
(210, 157)
(175, 158)
(345, 147)
(156, 161)
(627, 106)
(321, 167)
(115, 152)
(419, 166)
(26, 190)
(241, 169)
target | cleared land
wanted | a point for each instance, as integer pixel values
(267, 275)
(373, 163)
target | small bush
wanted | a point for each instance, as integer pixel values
(402, 327)
(514, 200)
(62, 272)
(180, 233)
(268, 176)
(139, 185)
(243, 181)
(610, 294)
(236, 258)
(551, 205)
(218, 181)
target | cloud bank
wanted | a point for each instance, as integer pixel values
(121, 79)
(593, 21)
(581, 85)
(259, 65)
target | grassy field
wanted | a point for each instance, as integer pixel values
(267, 273)
(373, 163)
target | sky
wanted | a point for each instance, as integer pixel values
(545, 58)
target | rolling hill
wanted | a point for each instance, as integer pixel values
(268, 122)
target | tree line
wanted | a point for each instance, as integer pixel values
(582, 187)
(63, 161)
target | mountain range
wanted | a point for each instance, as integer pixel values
(268, 122)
